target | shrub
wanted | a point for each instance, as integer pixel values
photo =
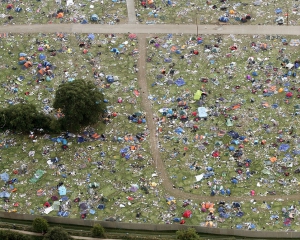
(10, 235)
(187, 234)
(98, 231)
(40, 225)
(57, 233)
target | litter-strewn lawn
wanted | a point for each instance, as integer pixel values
(42, 12)
(93, 158)
(115, 171)
(250, 100)
(209, 12)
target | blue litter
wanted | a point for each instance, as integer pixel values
(4, 176)
(283, 147)
(224, 215)
(252, 226)
(296, 152)
(239, 226)
(233, 134)
(65, 214)
(180, 82)
(64, 198)
(4, 194)
(91, 36)
(94, 17)
(124, 150)
(223, 19)
(240, 214)
(220, 209)
(101, 206)
(234, 181)
(235, 141)
(179, 130)
(170, 198)
(228, 191)
(80, 139)
(92, 211)
(42, 57)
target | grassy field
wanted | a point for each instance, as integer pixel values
(202, 12)
(45, 12)
(115, 173)
(251, 106)
(222, 74)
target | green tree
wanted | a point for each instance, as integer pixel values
(80, 102)
(40, 225)
(23, 117)
(98, 231)
(187, 234)
(57, 233)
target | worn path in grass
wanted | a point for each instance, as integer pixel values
(157, 160)
(160, 28)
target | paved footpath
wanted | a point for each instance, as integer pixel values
(153, 29)
(131, 11)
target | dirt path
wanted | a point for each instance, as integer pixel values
(157, 160)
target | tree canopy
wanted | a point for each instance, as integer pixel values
(81, 103)
(23, 117)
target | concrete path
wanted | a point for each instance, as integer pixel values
(131, 11)
(153, 29)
